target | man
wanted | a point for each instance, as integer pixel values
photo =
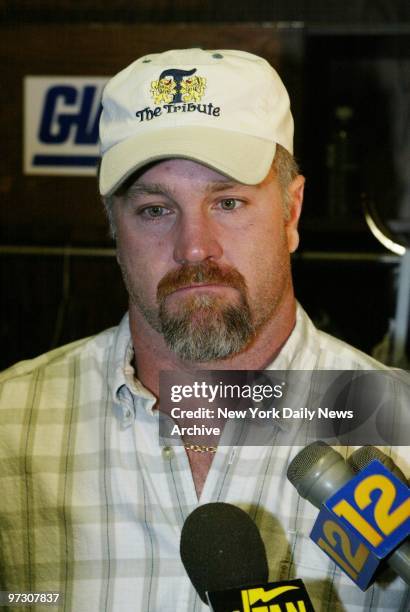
(203, 197)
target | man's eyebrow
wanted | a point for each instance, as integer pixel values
(221, 186)
(149, 189)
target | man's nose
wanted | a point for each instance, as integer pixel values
(196, 240)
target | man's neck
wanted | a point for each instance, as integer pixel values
(152, 355)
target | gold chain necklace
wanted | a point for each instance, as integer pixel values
(198, 448)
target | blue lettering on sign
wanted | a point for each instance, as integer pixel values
(79, 127)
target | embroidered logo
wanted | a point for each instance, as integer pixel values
(178, 92)
(163, 90)
(193, 89)
(175, 86)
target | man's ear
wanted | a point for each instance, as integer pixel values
(295, 191)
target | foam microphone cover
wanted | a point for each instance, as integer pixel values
(221, 548)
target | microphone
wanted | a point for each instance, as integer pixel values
(221, 548)
(361, 458)
(317, 472)
(399, 561)
(352, 528)
(225, 558)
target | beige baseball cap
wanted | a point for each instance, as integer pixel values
(226, 109)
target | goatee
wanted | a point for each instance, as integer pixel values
(205, 327)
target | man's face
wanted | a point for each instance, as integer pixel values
(205, 260)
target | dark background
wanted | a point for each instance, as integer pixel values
(330, 55)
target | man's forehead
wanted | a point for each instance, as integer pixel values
(185, 169)
(171, 171)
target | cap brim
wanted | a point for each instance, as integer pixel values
(246, 159)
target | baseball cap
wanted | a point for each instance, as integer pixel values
(226, 109)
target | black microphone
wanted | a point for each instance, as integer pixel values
(318, 472)
(225, 558)
(221, 548)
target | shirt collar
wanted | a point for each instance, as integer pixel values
(123, 383)
(300, 350)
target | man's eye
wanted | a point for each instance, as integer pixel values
(230, 204)
(154, 212)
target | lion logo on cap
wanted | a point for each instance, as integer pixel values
(193, 88)
(163, 90)
(176, 85)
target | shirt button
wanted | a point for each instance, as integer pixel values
(167, 452)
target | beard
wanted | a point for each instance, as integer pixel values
(206, 328)
(202, 327)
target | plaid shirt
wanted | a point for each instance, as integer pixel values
(92, 506)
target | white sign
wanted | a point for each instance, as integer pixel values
(61, 116)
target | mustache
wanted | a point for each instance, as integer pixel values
(204, 272)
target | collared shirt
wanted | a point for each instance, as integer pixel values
(92, 506)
